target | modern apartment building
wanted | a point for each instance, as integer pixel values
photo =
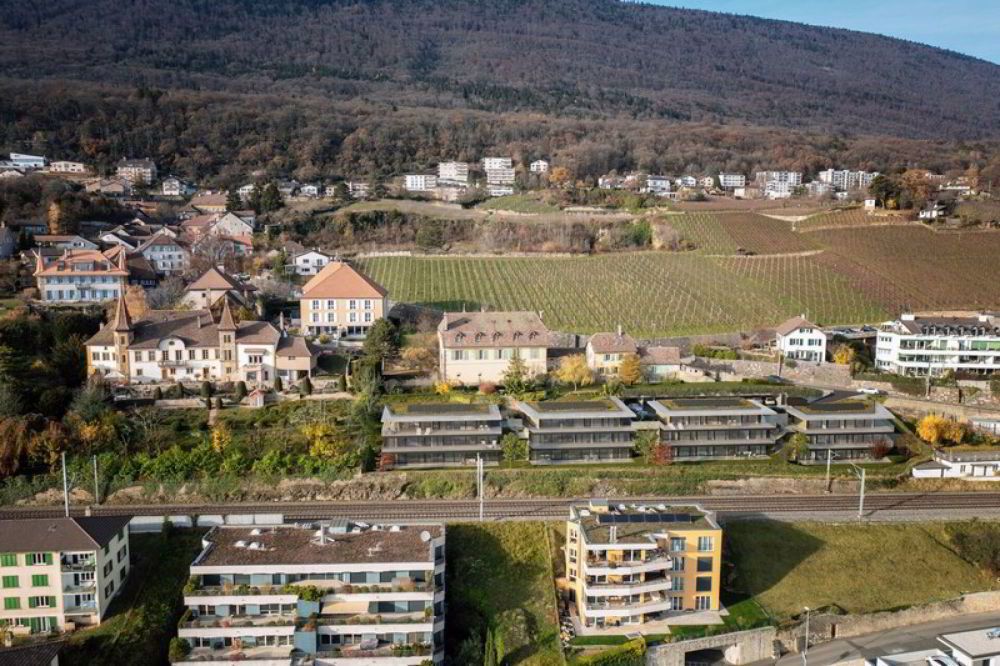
(640, 568)
(921, 345)
(477, 347)
(714, 428)
(341, 301)
(23, 161)
(57, 574)
(62, 166)
(845, 179)
(791, 178)
(801, 340)
(729, 181)
(842, 430)
(324, 595)
(605, 351)
(136, 171)
(81, 276)
(491, 163)
(453, 173)
(539, 166)
(420, 182)
(582, 431)
(433, 435)
(658, 185)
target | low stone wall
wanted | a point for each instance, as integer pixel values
(739, 647)
(824, 628)
(824, 375)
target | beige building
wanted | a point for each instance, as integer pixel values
(642, 568)
(476, 347)
(136, 171)
(57, 574)
(341, 301)
(192, 345)
(81, 276)
(605, 351)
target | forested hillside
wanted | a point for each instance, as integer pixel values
(306, 80)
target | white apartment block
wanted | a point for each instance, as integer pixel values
(328, 595)
(477, 347)
(845, 179)
(658, 185)
(500, 176)
(687, 181)
(792, 178)
(22, 161)
(799, 339)
(453, 173)
(136, 171)
(707, 182)
(419, 182)
(919, 345)
(728, 181)
(58, 574)
(539, 166)
(167, 255)
(63, 166)
(490, 163)
(775, 189)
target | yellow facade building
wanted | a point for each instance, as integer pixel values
(630, 566)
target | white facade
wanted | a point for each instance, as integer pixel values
(658, 185)
(689, 181)
(730, 181)
(67, 167)
(490, 163)
(707, 182)
(166, 256)
(500, 176)
(22, 161)
(804, 343)
(500, 190)
(539, 166)
(778, 190)
(420, 182)
(792, 178)
(845, 179)
(453, 173)
(946, 464)
(310, 263)
(918, 346)
(310, 190)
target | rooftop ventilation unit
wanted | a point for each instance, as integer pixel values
(240, 544)
(425, 536)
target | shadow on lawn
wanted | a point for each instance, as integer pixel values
(486, 586)
(759, 553)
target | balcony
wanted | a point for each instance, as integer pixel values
(82, 609)
(340, 619)
(637, 587)
(382, 651)
(189, 621)
(294, 589)
(86, 565)
(82, 588)
(266, 654)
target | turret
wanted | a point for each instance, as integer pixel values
(124, 333)
(227, 342)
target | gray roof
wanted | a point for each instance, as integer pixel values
(975, 644)
(610, 407)
(492, 329)
(423, 412)
(59, 534)
(35, 654)
(196, 328)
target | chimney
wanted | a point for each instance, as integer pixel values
(619, 330)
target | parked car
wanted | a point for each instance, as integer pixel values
(871, 391)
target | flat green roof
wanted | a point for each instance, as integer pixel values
(450, 408)
(708, 403)
(574, 406)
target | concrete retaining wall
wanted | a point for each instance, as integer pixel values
(828, 627)
(739, 647)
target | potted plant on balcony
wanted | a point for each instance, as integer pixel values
(179, 649)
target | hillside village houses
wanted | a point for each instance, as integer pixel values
(192, 345)
(25, 162)
(214, 284)
(605, 351)
(63, 166)
(420, 182)
(136, 171)
(846, 179)
(173, 186)
(453, 173)
(341, 301)
(729, 181)
(920, 345)
(81, 276)
(60, 574)
(310, 262)
(499, 175)
(477, 347)
(799, 339)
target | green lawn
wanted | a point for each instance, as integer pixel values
(855, 568)
(143, 618)
(500, 574)
(518, 203)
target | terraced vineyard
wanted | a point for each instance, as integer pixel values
(854, 217)
(852, 274)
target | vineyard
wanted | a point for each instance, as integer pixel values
(854, 217)
(847, 275)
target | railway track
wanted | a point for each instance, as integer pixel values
(521, 509)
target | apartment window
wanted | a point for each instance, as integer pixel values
(706, 543)
(179, 355)
(39, 558)
(10, 582)
(705, 564)
(352, 305)
(677, 563)
(11, 603)
(331, 305)
(95, 356)
(227, 338)
(109, 589)
(456, 354)
(204, 354)
(678, 544)
(108, 567)
(703, 584)
(678, 583)
(122, 553)
(151, 356)
(352, 317)
(41, 602)
(702, 603)
(39, 580)
(190, 354)
(368, 305)
(8, 559)
(227, 355)
(368, 317)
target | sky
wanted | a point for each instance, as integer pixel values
(971, 27)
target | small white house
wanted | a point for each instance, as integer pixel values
(310, 190)
(175, 187)
(310, 262)
(63, 166)
(800, 340)
(22, 161)
(539, 166)
(658, 185)
(959, 464)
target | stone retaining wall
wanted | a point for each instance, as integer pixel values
(739, 647)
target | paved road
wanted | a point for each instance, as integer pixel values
(878, 507)
(895, 641)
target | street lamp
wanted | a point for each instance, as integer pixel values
(805, 648)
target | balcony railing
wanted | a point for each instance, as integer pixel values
(326, 586)
(87, 565)
(419, 617)
(83, 588)
(237, 621)
(356, 652)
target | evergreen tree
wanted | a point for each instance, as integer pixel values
(270, 198)
(233, 200)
